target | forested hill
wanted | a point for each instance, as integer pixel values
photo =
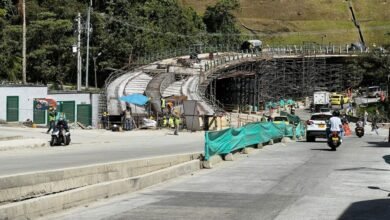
(294, 21)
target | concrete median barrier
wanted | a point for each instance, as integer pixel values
(30, 185)
(37, 207)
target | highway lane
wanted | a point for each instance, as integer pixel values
(95, 146)
(299, 180)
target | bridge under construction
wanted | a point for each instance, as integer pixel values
(220, 81)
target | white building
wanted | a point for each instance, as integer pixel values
(17, 104)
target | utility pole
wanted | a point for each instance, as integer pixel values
(88, 31)
(24, 63)
(78, 52)
(94, 66)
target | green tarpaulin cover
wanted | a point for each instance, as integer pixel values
(232, 139)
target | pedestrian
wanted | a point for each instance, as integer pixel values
(176, 119)
(127, 120)
(52, 119)
(365, 118)
(104, 120)
(374, 124)
(292, 110)
(342, 102)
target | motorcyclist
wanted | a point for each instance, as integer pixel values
(61, 120)
(335, 124)
(359, 124)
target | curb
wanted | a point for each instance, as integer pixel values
(38, 207)
(31, 185)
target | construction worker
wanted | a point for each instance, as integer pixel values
(163, 104)
(171, 122)
(165, 122)
(52, 119)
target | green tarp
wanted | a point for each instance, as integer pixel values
(232, 139)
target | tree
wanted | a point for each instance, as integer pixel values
(220, 21)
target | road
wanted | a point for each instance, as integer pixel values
(299, 180)
(95, 146)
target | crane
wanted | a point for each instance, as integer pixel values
(357, 25)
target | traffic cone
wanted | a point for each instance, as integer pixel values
(347, 130)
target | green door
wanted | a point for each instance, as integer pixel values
(12, 108)
(68, 107)
(39, 115)
(84, 114)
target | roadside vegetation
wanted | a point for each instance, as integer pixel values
(123, 33)
(127, 32)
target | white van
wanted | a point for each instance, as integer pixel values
(374, 91)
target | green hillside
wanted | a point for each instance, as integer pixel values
(295, 21)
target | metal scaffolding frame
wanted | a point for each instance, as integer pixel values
(258, 81)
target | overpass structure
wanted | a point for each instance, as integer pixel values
(246, 77)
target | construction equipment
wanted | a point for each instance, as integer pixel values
(361, 45)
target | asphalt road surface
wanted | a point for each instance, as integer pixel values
(95, 146)
(298, 180)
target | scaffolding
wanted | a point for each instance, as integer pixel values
(258, 81)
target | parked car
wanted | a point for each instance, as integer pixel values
(336, 99)
(316, 126)
(281, 119)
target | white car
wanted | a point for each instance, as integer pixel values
(316, 126)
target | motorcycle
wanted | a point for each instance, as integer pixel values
(59, 136)
(359, 131)
(334, 140)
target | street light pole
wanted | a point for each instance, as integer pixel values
(24, 62)
(78, 52)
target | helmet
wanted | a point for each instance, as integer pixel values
(336, 113)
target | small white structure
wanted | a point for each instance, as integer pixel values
(17, 101)
(17, 104)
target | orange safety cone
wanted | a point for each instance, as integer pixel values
(347, 130)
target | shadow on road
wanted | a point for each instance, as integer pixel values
(371, 209)
(387, 159)
(322, 149)
(378, 144)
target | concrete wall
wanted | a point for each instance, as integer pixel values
(81, 98)
(26, 94)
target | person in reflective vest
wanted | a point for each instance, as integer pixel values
(165, 122)
(170, 122)
(52, 119)
(163, 104)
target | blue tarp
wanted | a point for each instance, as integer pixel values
(137, 99)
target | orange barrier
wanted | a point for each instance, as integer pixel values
(347, 130)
